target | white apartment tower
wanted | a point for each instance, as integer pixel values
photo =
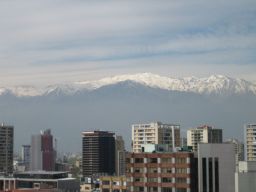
(155, 133)
(203, 134)
(250, 142)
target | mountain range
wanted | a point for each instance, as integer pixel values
(115, 103)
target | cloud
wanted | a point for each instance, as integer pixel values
(57, 37)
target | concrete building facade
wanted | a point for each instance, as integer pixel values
(98, 156)
(155, 133)
(6, 149)
(216, 167)
(245, 177)
(250, 142)
(203, 134)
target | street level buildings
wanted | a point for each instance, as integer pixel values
(98, 156)
(203, 134)
(250, 142)
(155, 133)
(6, 149)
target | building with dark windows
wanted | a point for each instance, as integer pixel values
(216, 167)
(43, 154)
(25, 156)
(161, 171)
(98, 156)
(6, 149)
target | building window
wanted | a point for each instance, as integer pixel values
(166, 180)
(181, 180)
(152, 160)
(166, 189)
(152, 179)
(181, 190)
(181, 170)
(138, 160)
(204, 174)
(180, 160)
(166, 170)
(152, 170)
(216, 167)
(166, 160)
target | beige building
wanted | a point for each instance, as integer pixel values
(155, 133)
(203, 134)
(250, 142)
(120, 156)
(239, 149)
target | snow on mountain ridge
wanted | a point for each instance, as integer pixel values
(217, 84)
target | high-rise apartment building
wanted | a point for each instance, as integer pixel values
(250, 142)
(98, 156)
(43, 154)
(25, 156)
(6, 149)
(155, 133)
(239, 149)
(120, 156)
(203, 134)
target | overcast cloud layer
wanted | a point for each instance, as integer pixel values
(57, 41)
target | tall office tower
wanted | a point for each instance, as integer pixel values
(216, 167)
(203, 134)
(120, 156)
(6, 149)
(155, 133)
(98, 156)
(25, 156)
(250, 142)
(239, 149)
(43, 154)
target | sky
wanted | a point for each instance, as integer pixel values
(59, 41)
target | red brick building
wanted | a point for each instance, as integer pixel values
(161, 172)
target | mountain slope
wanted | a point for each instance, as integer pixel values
(215, 84)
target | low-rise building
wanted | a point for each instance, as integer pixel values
(39, 181)
(113, 184)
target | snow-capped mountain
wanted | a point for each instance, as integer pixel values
(218, 84)
(215, 84)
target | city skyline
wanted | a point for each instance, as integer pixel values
(56, 42)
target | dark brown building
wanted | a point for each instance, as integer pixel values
(161, 172)
(98, 153)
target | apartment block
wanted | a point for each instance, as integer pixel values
(203, 134)
(161, 172)
(155, 133)
(250, 142)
